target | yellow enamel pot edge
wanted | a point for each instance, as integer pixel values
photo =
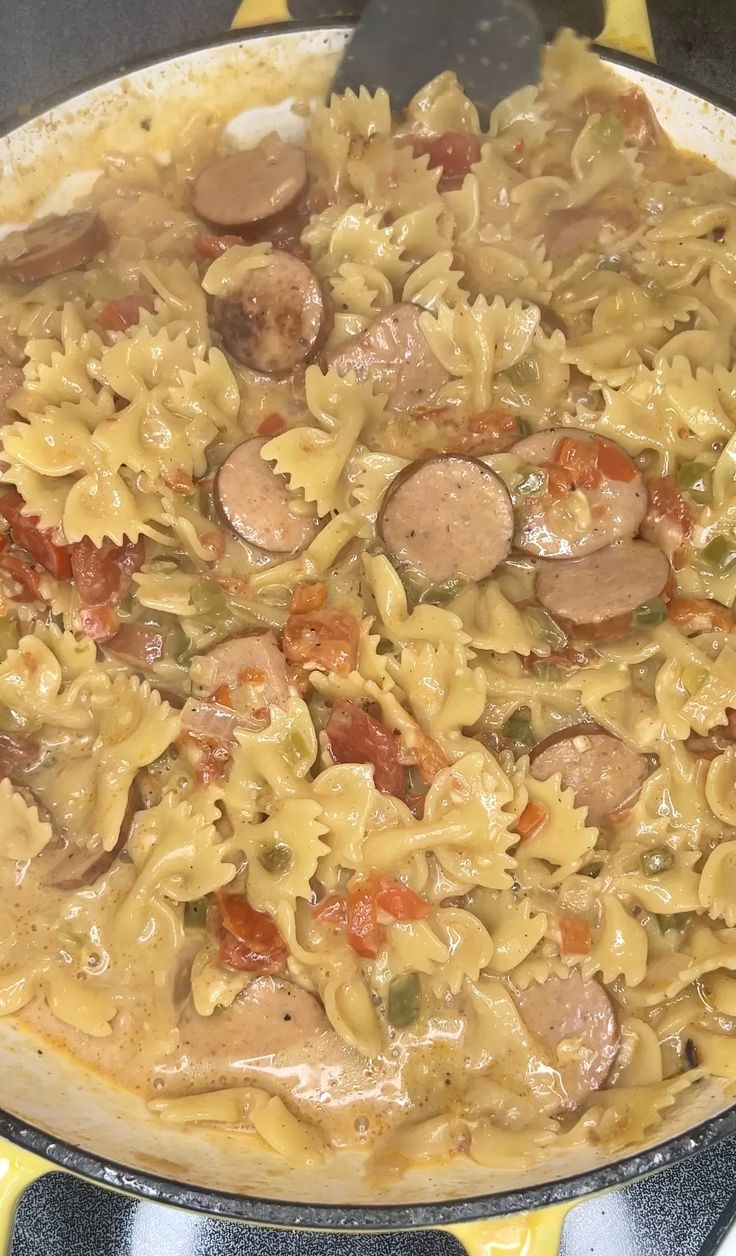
(18, 1168)
(525, 1234)
(627, 27)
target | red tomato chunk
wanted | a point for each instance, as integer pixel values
(355, 737)
(249, 940)
(455, 152)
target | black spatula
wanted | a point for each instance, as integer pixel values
(492, 45)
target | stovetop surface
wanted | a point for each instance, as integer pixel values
(685, 1211)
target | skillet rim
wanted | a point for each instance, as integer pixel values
(349, 1218)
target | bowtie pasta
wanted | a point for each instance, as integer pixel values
(367, 660)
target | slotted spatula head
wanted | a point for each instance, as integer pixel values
(493, 46)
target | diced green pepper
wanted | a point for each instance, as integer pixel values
(525, 371)
(720, 553)
(533, 480)
(404, 998)
(178, 644)
(195, 914)
(695, 479)
(650, 613)
(518, 727)
(660, 859)
(209, 597)
(439, 594)
(8, 636)
(545, 627)
(276, 859)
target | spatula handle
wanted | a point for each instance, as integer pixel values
(626, 21)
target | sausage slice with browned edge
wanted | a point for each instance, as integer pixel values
(253, 671)
(447, 518)
(565, 1008)
(257, 505)
(603, 773)
(248, 186)
(52, 246)
(595, 597)
(393, 355)
(275, 318)
(557, 527)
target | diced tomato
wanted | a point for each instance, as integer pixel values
(358, 910)
(224, 695)
(103, 575)
(575, 935)
(25, 576)
(355, 737)
(454, 151)
(272, 425)
(215, 543)
(487, 431)
(567, 658)
(364, 933)
(579, 457)
(700, 614)
(326, 639)
(249, 940)
(214, 762)
(665, 503)
(333, 910)
(179, 481)
(125, 312)
(560, 481)
(99, 622)
(209, 247)
(614, 464)
(396, 899)
(38, 542)
(307, 597)
(431, 758)
(532, 818)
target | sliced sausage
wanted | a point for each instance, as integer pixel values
(393, 354)
(570, 1008)
(552, 527)
(51, 246)
(252, 670)
(603, 773)
(595, 597)
(447, 518)
(276, 318)
(583, 229)
(83, 865)
(251, 185)
(256, 503)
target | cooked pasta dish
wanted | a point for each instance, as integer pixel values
(367, 652)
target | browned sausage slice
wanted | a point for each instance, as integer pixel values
(257, 503)
(603, 773)
(447, 518)
(276, 317)
(570, 1008)
(51, 246)
(253, 670)
(596, 596)
(554, 527)
(247, 186)
(393, 354)
(83, 865)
